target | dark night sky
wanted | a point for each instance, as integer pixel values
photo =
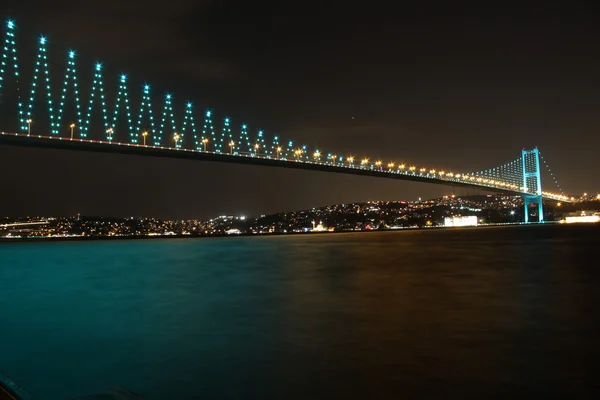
(434, 83)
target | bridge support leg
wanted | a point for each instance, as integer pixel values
(532, 182)
(527, 200)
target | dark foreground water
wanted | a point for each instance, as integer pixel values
(477, 313)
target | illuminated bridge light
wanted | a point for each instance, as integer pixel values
(123, 126)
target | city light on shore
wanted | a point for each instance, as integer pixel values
(449, 211)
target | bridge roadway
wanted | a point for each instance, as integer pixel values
(58, 142)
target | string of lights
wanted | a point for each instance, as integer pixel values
(145, 108)
(509, 173)
(275, 149)
(226, 136)
(208, 131)
(189, 122)
(259, 146)
(168, 115)
(289, 150)
(245, 139)
(119, 126)
(97, 89)
(551, 174)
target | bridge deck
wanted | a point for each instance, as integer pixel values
(55, 142)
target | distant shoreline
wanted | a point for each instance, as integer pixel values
(144, 237)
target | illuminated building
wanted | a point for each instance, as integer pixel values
(461, 221)
(582, 217)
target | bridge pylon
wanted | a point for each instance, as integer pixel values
(532, 182)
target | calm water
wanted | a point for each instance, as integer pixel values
(487, 312)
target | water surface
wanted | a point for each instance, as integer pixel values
(452, 313)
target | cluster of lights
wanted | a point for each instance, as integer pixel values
(244, 141)
(189, 123)
(122, 97)
(97, 88)
(511, 172)
(226, 136)
(550, 172)
(531, 172)
(9, 57)
(145, 107)
(259, 146)
(301, 153)
(41, 62)
(208, 131)
(275, 148)
(289, 150)
(167, 117)
(509, 176)
(70, 77)
(557, 196)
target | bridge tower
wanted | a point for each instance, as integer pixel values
(532, 181)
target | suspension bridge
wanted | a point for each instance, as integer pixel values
(98, 117)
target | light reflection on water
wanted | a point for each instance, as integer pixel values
(486, 312)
